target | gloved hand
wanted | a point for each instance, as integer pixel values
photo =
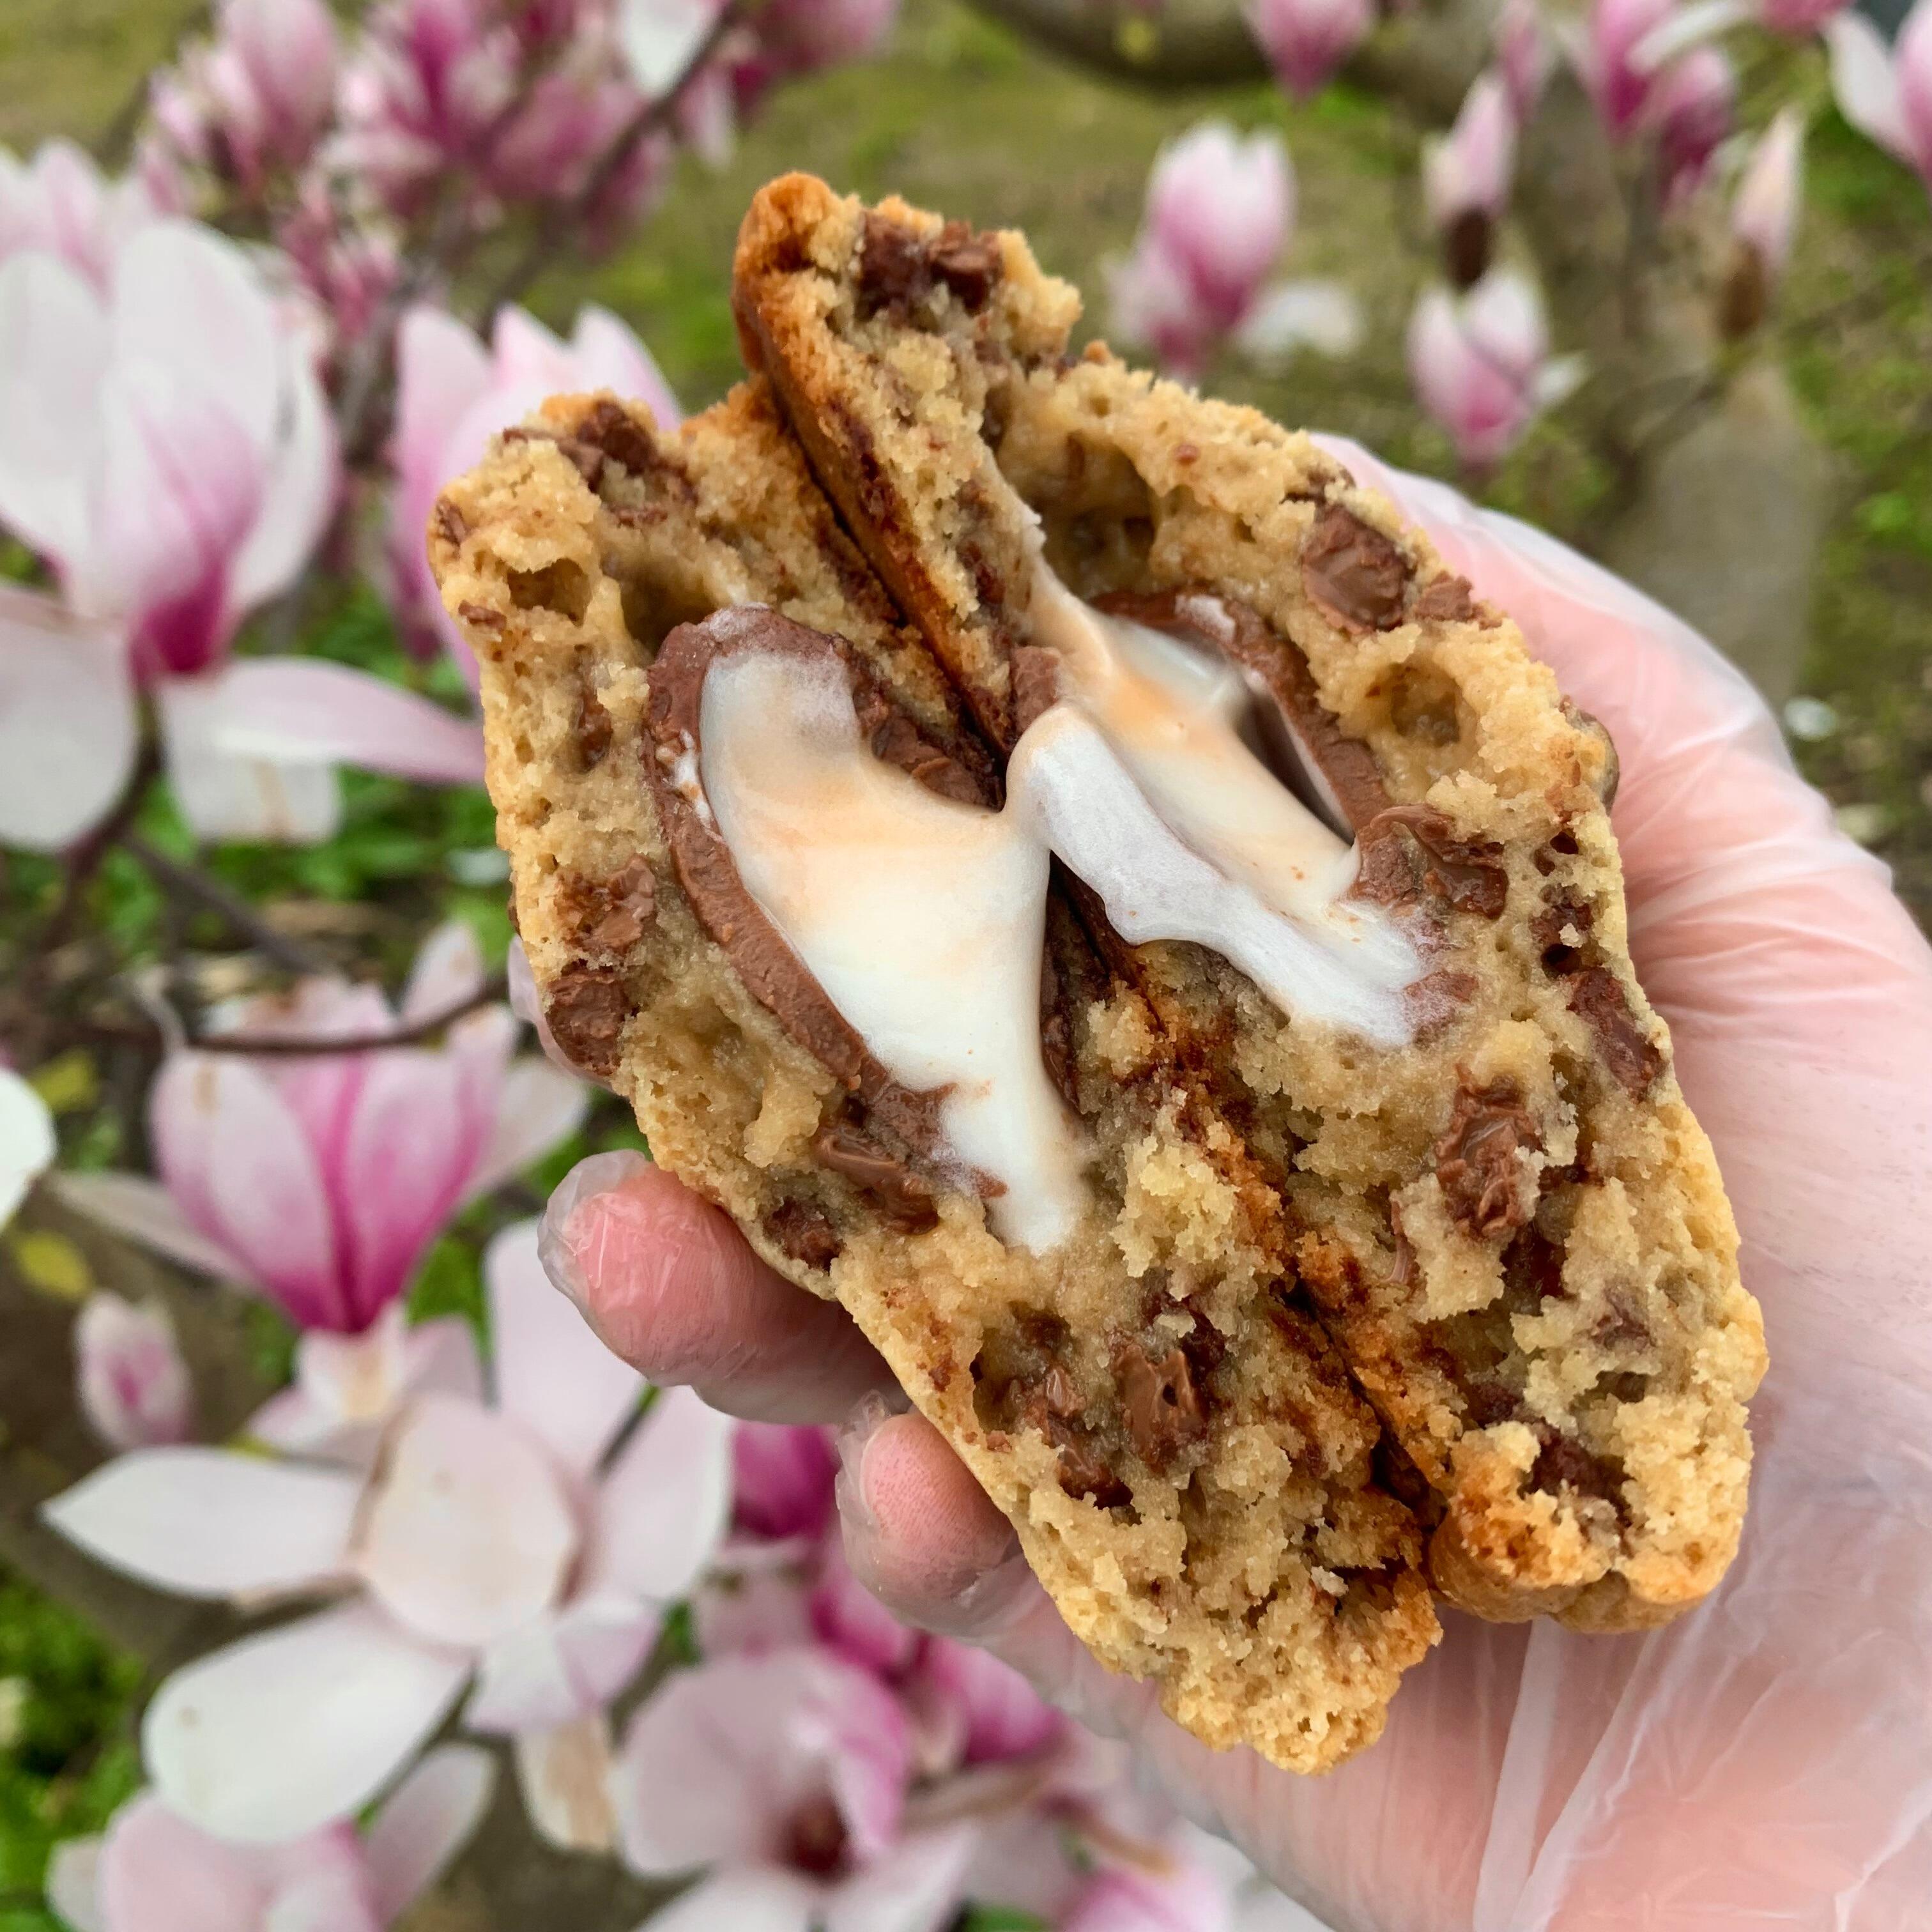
(1765, 1762)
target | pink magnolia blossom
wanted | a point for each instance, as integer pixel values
(1618, 68)
(511, 1546)
(320, 1179)
(454, 395)
(1692, 108)
(1481, 364)
(1525, 55)
(152, 1871)
(1219, 212)
(166, 448)
(1886, 92)
(1770, 193)
(998, 1716)
(1306, 41)
(1466, 176)
(26, 1139)
(60, 203)
(783, 1778)
(1797, 19)
(782, 1479)
(134, 1387)
(350, 267)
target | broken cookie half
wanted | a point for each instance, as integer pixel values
(779, 888)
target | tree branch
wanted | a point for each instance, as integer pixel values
(1193, 43)
(292, 1045)
(187, 882)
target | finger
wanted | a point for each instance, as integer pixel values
(674, 1287)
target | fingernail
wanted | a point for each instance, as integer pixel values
(568, 1243)
(855, 1437)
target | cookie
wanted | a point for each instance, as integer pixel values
(1407, 980)
(777, 890)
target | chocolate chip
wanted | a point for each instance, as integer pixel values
(480, 615)
(1563, 1463)
(590, 730)
(896, 740)
(904, 1196)
(609, 916)
(1486, 1402)
(1084, 1468)
(1056, 1046)
(804, 1232)
(1437, 1001)
(1445, 600)
(1598, 999)
(1560, 957)
(1462, 872)
(586, 1007)
(1163, 1413)
(1532, 1271)
(451, 524)
(609, 429)
(1476, 1161)
(970, 265)
(1623, 1326)
(895, 270)
(1353, 572)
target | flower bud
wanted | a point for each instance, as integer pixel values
(1306, 40)
(134, 1385)
(1692, 104)
(1764, 222)
(1466, 176)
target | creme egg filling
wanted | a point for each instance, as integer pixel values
(923, 918)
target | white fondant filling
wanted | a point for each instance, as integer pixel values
(922, 918)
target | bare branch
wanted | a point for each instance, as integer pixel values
(187, 882)
(1191, 43)
(292, 1046)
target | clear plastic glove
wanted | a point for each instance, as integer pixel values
(1766, 1761)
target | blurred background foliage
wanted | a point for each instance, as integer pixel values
(962, 115)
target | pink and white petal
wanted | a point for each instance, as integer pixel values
(355, 1378)
(53, 355)
(336, 1899)
(228, 800)
(411, 1145)
(292, 1421)
(447, 970)
(782, 1478)
(564, 1775)
(424, 1824)
(852, 1621)
(67, 726)
(209, 1522)
(158, 1872)
(862, 1732)
(234, 1156)
(917, 1886)
(540, 1106)
(74, 1884)
(285, 1731)
(145, 1211)
(441, 1357)
(662, 1505)
(27, 1143)
(523, 351)
(550, 1371)
(441, 369)
(744, 1611)
(609, 356)
(305, 711)
(300, 489)
(659, 38)
(1864, 81)
(1003, 1716)
(761, 1899)
(188, 299)
(1324, 316)
(562, 1663)
(467, 1534)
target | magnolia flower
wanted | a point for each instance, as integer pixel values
(784, 1778)
(507, 1545)
(60, 204)
(454, 395)
(1481, 364)
(1886, 93)
(318, 1180)
(1190, 1882)
(1617, 70)
(1466, 176)
(26, 1139)
(1219, 212)
(1524, 55)
(152, 1871)
(1691, 107)
(782, 1479)
(1764, 222)
(1306, 40)
(134, 1386)
(167, 449)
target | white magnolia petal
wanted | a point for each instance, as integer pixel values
(915, 1887)
(1687, 27)
(67, 724)
(565, 1775)
(562, 1663)
(53, 354)
(659, 38)
(208, 1522)
(1559, 378)
(27, 1144)
(441, 1356)
(757, 1899)
(283, 1732)
(223, 797)
(447, 970)
(611, 357)
(1864, 82)
(425, 1822)
(73, 1885)
(467, 1534)
(145, 1211)
(663, 1504)
(541, 1105)
(1321, 316)
(293, 712)
(298, 493)
(551, 1371)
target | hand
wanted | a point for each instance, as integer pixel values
(1767, 1760)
